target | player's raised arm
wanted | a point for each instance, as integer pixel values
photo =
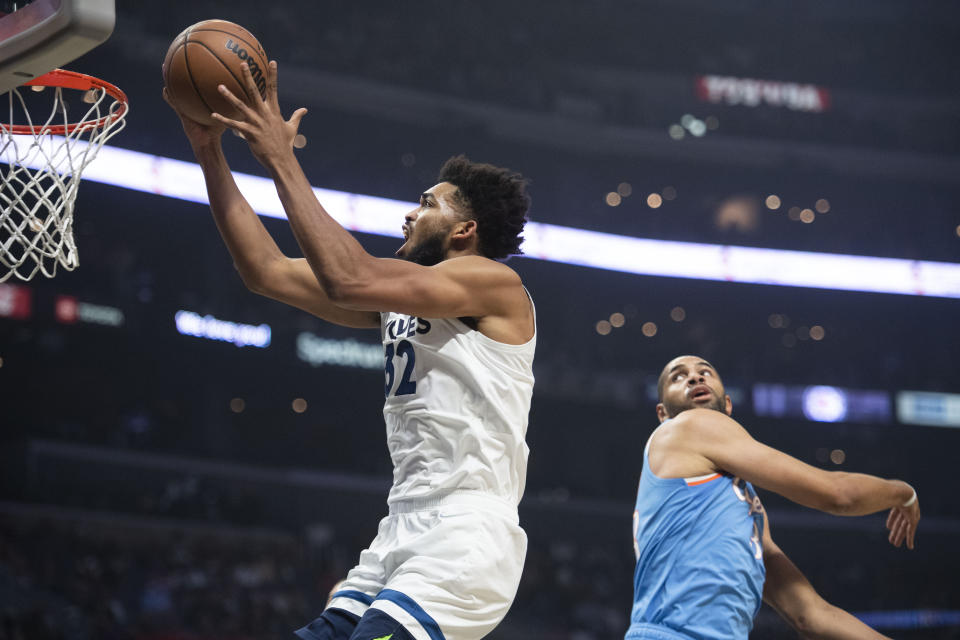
(789, 592)
(262, 266)
(448, 271)
(730, 448)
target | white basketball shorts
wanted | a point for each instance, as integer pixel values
(446, 569)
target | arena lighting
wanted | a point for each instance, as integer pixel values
(751, 92)
(16, 301)
(69, 310)
(910, 618)
(928, 408)
(318, 351)
(242, 335)
(381, 216)
(822, 403)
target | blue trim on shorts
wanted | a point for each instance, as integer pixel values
(353, 594)
(407, 603)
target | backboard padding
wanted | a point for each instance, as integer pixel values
(46, 34)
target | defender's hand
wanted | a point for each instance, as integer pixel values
(902, 523)
(262, 125)
(198, 134)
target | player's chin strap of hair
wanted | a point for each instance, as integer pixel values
(912, 499)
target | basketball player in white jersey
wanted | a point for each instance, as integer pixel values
(458, 331)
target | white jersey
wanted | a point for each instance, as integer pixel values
(456, 409)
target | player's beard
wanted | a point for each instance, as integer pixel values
(428, 253)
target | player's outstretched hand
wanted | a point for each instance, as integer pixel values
(902, 523)
(262, 125)
(198, 134)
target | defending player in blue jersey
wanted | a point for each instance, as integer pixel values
(705, 557)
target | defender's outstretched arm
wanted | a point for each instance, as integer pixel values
(728, 447)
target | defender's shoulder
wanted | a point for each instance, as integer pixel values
(702, 422)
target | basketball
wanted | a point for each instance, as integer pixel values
(206, 55)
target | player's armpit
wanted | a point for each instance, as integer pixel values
(466, 286)
(730, 448)
(791, 595)
(291, 281)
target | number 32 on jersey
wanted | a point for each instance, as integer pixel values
(400, 356)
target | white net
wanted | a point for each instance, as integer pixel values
(40, 167)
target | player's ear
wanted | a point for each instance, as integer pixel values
(464, 232)
(727, 405)
(466, 228)
(662, 412)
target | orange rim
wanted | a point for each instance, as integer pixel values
(80, 82)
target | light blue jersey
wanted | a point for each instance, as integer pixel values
(699, 572)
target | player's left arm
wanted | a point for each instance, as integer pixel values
(352, 278)
(728, 447)
(788, 591)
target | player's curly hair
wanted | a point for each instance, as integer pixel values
(493, 196)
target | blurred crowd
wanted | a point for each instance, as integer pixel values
(75, 583)
(71, 581)
(67, 578)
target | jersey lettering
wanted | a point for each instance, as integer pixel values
(744, 494)
(406, 327)
(403, 349)
(396, 331)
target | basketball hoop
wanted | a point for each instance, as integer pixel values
(38, 186)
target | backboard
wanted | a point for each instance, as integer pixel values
(37, 36)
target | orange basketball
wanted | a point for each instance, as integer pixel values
(206, 55)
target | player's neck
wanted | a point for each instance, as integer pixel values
(459, 253)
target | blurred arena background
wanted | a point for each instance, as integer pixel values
(159, 483)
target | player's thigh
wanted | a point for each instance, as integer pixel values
(491, 555)
(353, 595)
(463, 575)
(364, 581)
